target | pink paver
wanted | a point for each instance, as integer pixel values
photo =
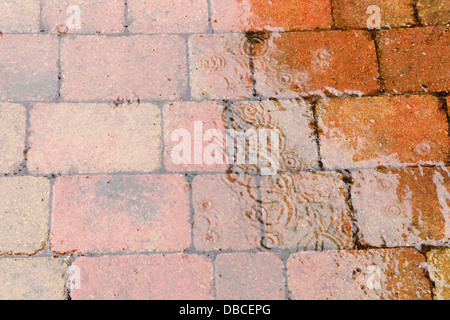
(28, 67)
(140, 277)
(175, 16)
(402, 207)
(120, 214)
(220, 66)
(194, 135)
(94, 16)
(225, 212)
(112, 71)
(289, 65)
(391, 274)
(247, 276)
(94, 138)
(260, 15)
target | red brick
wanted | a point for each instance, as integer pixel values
(176, 16)
(94, 138)
(402, 207)
(352, 14)
(19, 16)
(247, 276)
(12, 137)
(120, 214)
(29, 67)
(96, 16)
(382, 131)
(392, 274)
(415, 60)
(133, 67)
(225, 212)
(292, 118)
(433, 12)
(319, 63)
(220, 66)
(186, 116)
(260, 15)
(306, 210)
(141, 277)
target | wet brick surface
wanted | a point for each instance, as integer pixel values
(224, 149)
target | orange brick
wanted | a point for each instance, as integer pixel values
(352, 14)
(247, 276)
(434, 12)
(120, 214)
(94, 138)
(310, 64)
(96, 16)
(29, 67)
(260, 15)
(402, 207)
(415, 60)
(438, 264)
(140, 277)
(305, 211)
(175, 16)
(220, 66)
(388, 274)
(382, 131)
(133, 67)
(188, 116)
(12, 137)
(225, 213)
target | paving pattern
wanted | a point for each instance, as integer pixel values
(98, 201)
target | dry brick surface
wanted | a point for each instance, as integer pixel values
(114, 183)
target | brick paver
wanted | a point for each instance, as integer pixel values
(402, 207)
(19, 16)
(194, 135)
(28, 67)
(415, 60)
(220, 66)
(176, 16)
(351, 14)
(12, 137)
(319, 63)
(172, 277)
(434, 12)
(118, 178)
(160, 73)
(438, 261)
(113, 138)
(120, 214)
(260, 15)
(392, 274)
(307, 211)
(383, 131)
(293, 121)
(247, 276)
(24, 214)
(94, 16)
(225, 212)
(32, 279)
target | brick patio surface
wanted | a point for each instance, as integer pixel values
(225, 149)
